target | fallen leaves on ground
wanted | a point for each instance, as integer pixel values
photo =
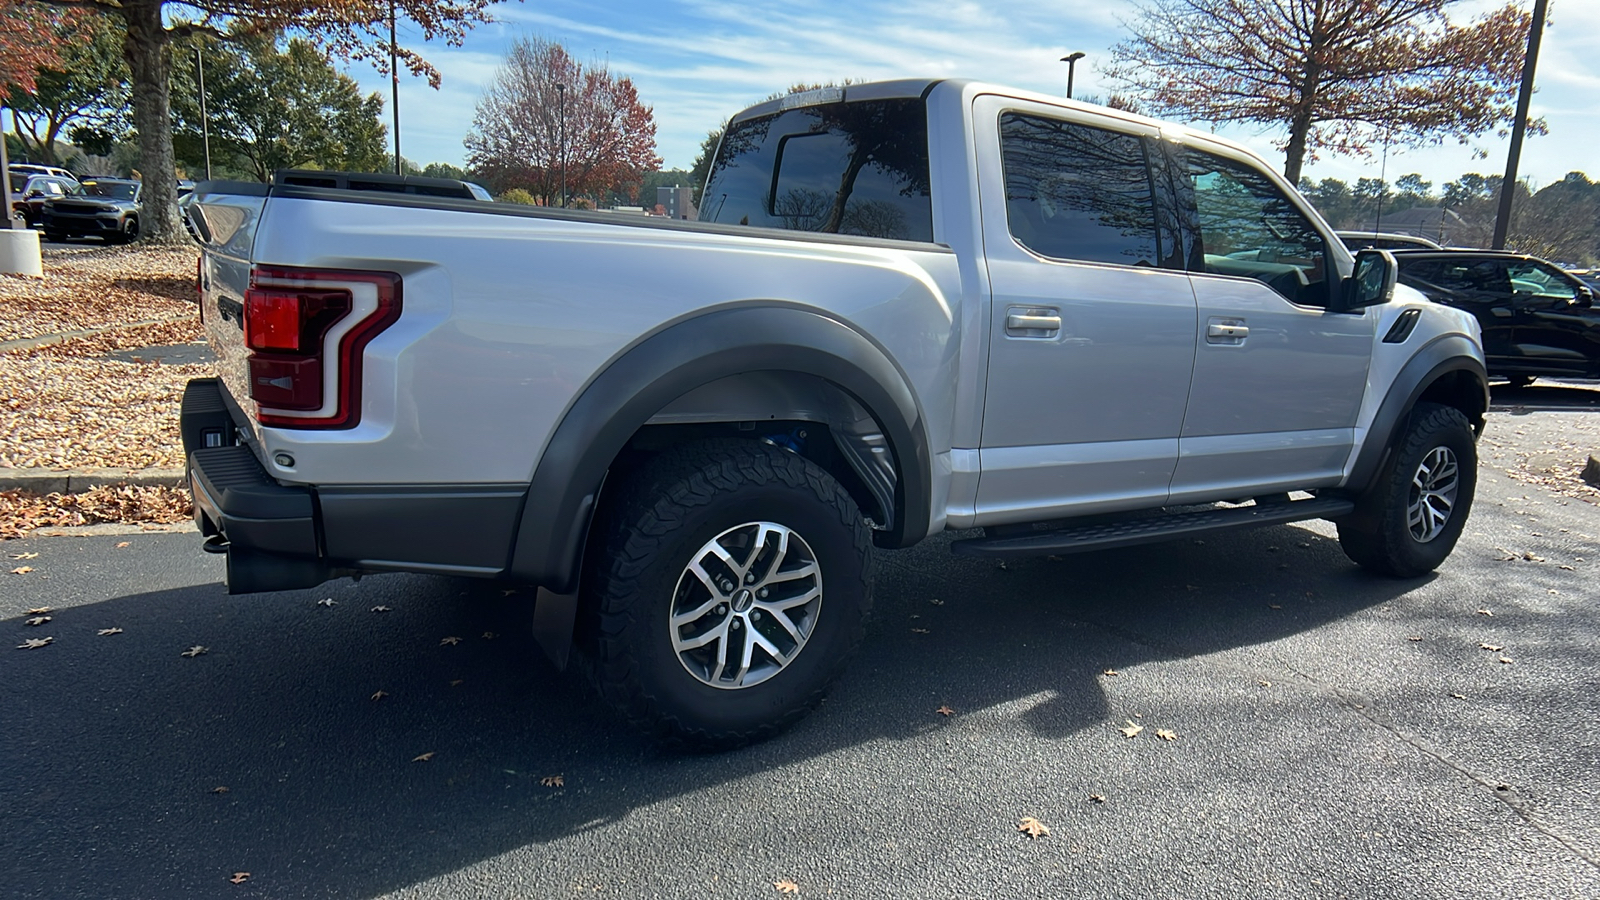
(1097, 798)
(553, 781)
(920, 631)
(379, 695)
(945, 711)
(112, 630)
(22, 512)
(240, 877)
(36, 621)
(1032, 827)
(1505, 660)
(24, 556)
(194, 651)
(380, 609)
(34, 643)
(220, 789)
(1132, 730)
(22, 570)
(1486, 612)
(489, 635)
(1166, 734)
(785, 886)
(327, 601)
(1495, 647)
(1111, 673)
(121, 544)
(423, 757)
(451, 640)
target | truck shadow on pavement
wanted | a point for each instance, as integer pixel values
(135, 771)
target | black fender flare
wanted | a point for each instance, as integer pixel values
(1445, 355)
(681, 357)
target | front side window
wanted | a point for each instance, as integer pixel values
(1250, 228)
(1540, 286)
(841, 168)
(1079, 193)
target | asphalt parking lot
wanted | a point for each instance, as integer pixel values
(1332, 734)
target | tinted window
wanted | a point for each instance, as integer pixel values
(843, 168)
(115, 190)
(1075, 192)
(1249, 228)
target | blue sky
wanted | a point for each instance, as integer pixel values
(698, 61)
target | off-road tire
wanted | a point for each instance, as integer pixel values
(666, 514)
(1379, 534)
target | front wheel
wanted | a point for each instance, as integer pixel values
(732, 583)
(1407, 523)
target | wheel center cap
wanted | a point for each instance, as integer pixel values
(743, 600)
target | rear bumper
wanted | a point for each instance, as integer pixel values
(280, 536)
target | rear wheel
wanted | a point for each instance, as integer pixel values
(733, 582)
(1407, 523)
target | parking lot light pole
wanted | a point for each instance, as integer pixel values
(1508, 185)
(1071, 60)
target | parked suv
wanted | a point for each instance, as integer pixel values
(107, 208)
(41, 189)
(1536, 318)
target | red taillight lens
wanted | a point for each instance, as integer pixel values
(307, 330)
(291, 320)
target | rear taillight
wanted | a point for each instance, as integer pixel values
(306, 330)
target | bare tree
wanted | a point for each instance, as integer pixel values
(1337, 75)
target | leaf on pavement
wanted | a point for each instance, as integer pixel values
(1111, 673)
(22, 570)
(1414, 638)
(553, 781)
(1097, 798)
(112, 630)
(1495, 647)
(458, 682)
(1166, 734)
(1531, 557)
(1459, 696)
(122, 544)
(34, 643)
(40, 610)
(785, 886)
(489, 635)
(36, 621)
(920, 631)
(240, 877)
(1032, 827)
(327, 601)
(24, 556)
(220, 789)
(935, 601)
(380, 609)
(1485, 612)
(1505, 660)
(451, 640)
(379, 695)
(194, 651)
(945, 711)
(1132, 730)
(1566, 568)
(424, 757)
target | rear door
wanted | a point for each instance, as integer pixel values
(1092, 322)
(1278, 377)
(1471, 284)
(1551, 332)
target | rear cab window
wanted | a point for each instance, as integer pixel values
(855, 168)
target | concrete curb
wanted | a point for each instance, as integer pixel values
(73, 481)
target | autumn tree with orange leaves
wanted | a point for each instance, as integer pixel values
(518, 140)
(350, 29)
(1338, 75)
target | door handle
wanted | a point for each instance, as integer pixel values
(1027, 322)
(1219, 331)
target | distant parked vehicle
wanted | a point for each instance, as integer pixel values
(28, 169)
(1383, 240)
(39, 190)
(108, 208)
(1537, 319)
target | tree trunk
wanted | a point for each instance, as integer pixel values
(146, 51)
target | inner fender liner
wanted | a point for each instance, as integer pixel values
(1450, 353)
(678, 359)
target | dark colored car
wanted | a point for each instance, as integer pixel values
(1537, 319)
(41, 189)
(107, 208)
(1383, 240)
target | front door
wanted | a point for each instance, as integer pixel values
(1092, 323)
(1278, 378)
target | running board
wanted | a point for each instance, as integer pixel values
(1151, 529)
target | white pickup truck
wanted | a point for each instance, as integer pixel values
(907, 307)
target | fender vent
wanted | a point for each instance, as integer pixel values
(1402, 327)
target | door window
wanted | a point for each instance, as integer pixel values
(1539, 286)
(1249, 228)
(1079, 193)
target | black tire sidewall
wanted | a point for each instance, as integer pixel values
(1431, 428)
(675, 702)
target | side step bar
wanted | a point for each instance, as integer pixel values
(1151, 529)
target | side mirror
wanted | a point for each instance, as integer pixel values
(1372, 281)
(1585, 298)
